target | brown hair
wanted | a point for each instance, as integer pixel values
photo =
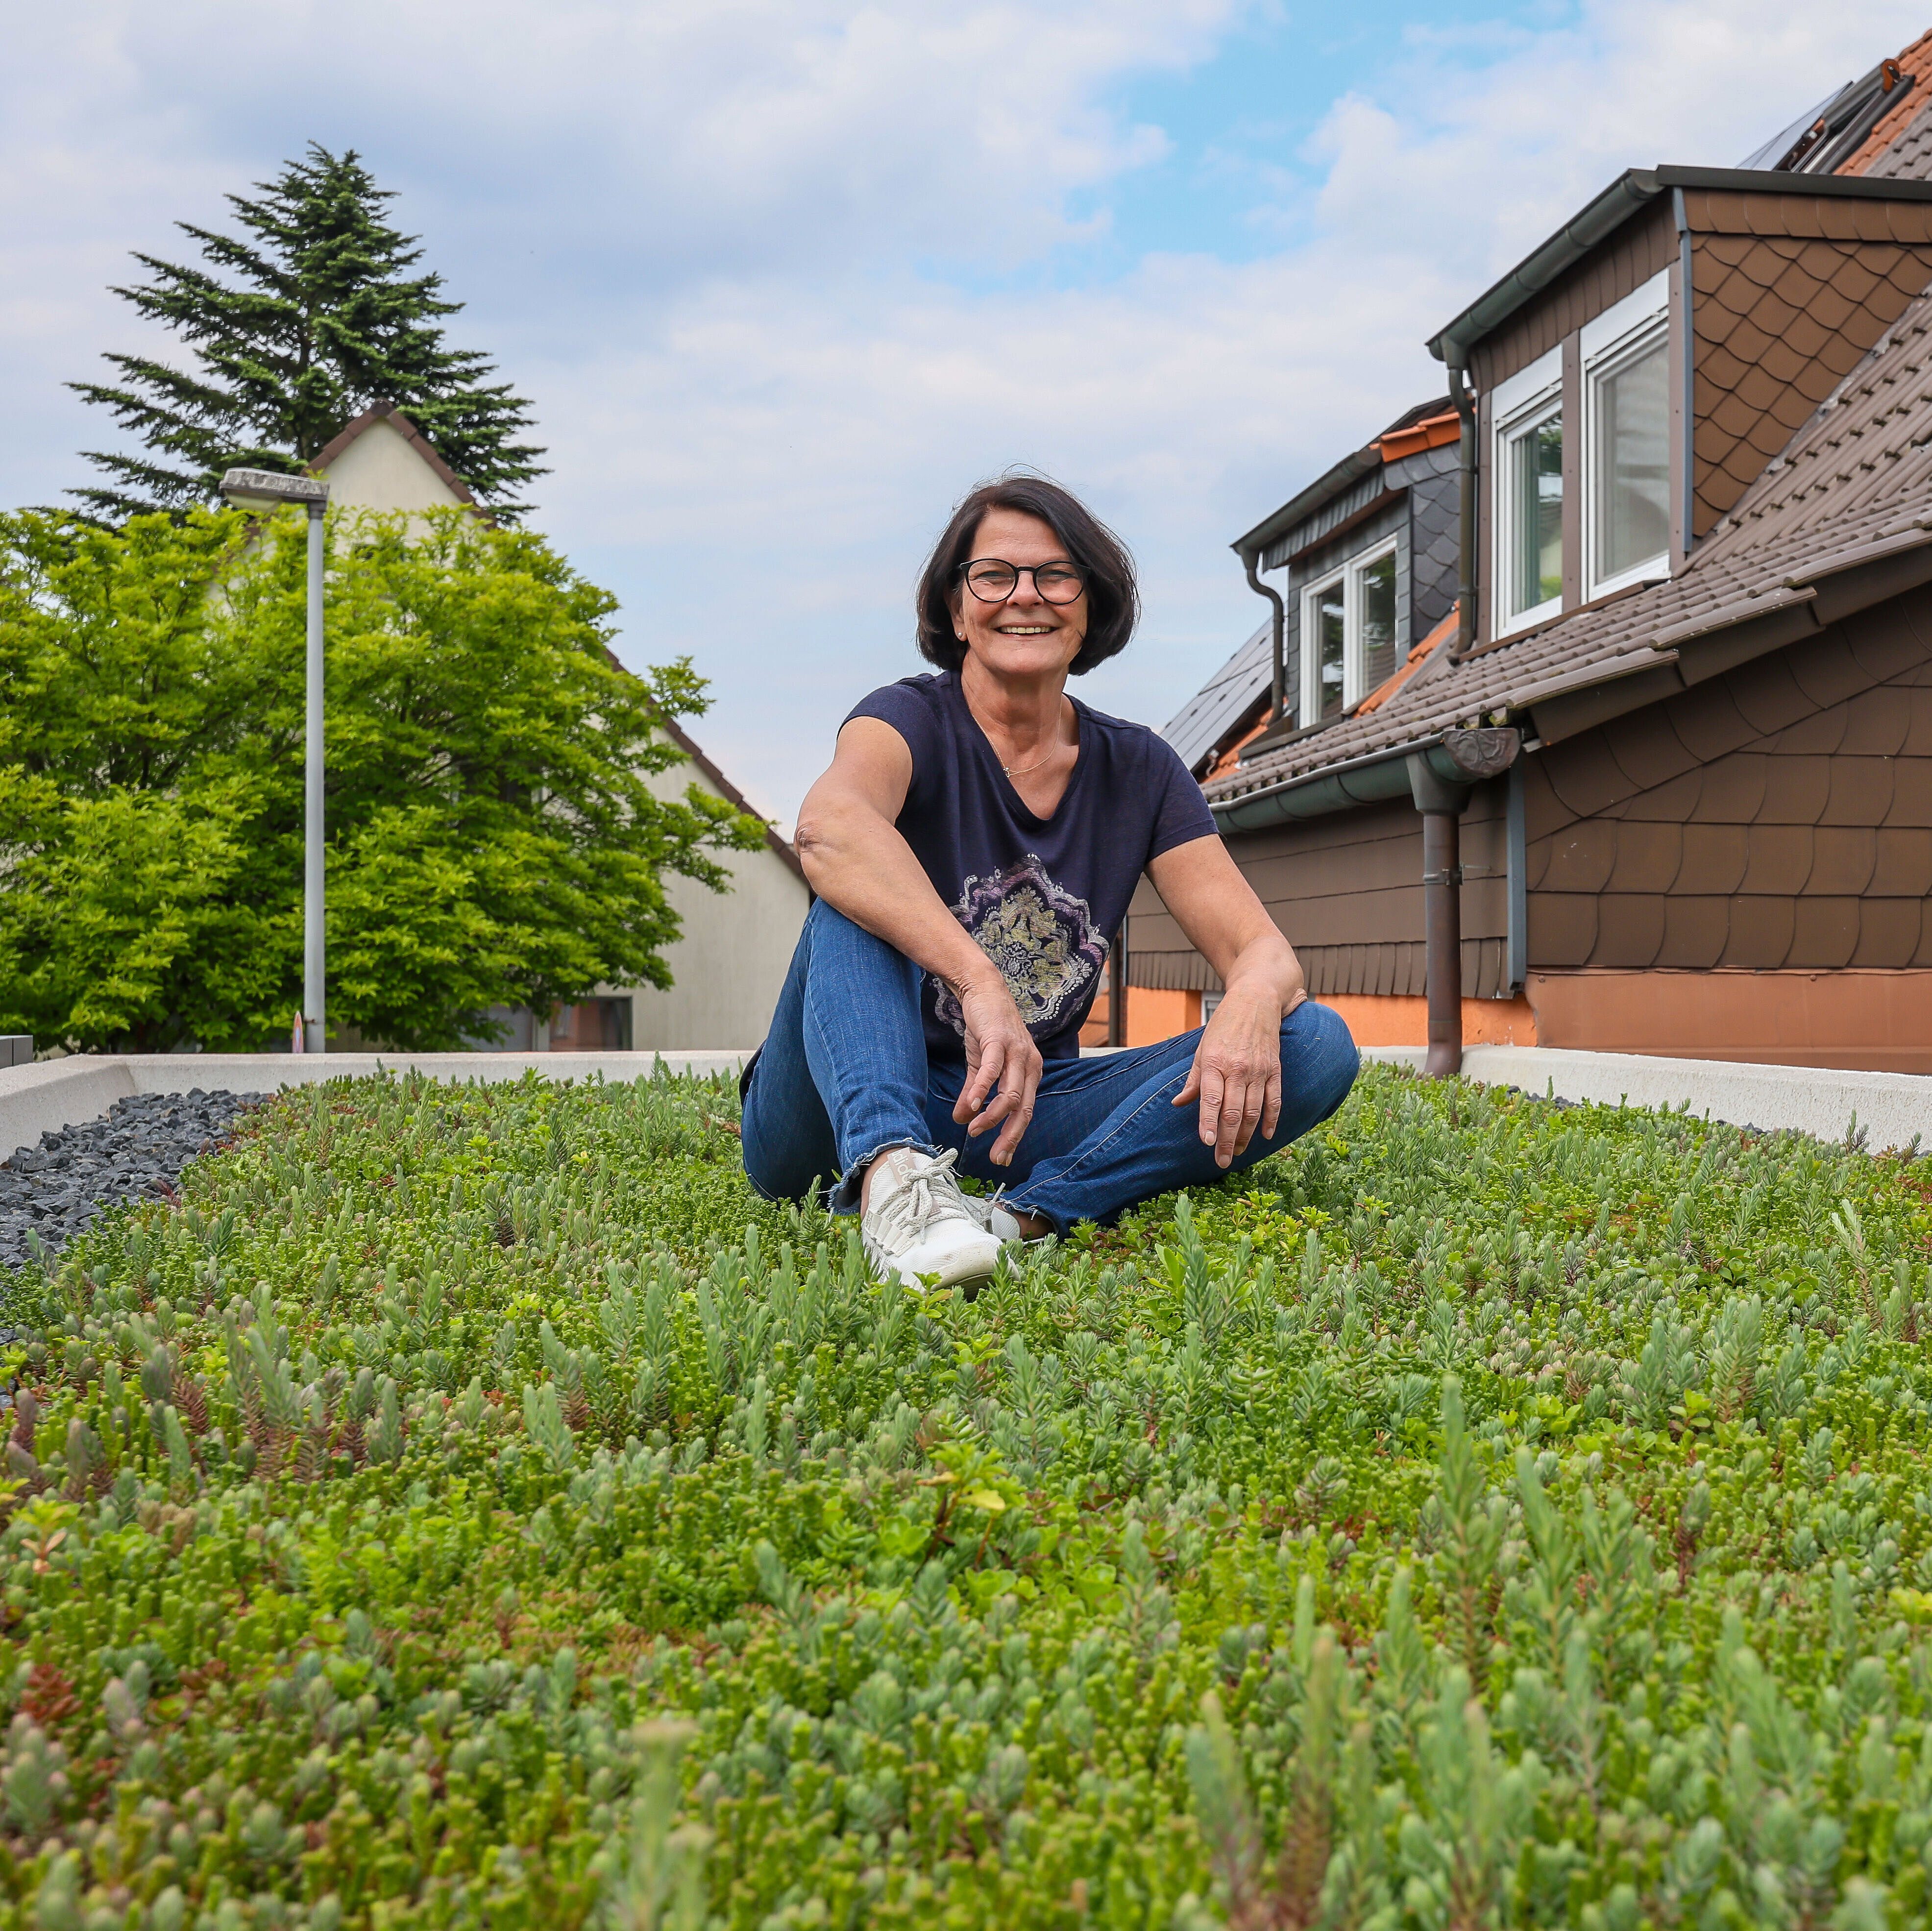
(1113, 596)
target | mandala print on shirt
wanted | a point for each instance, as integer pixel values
(1040, 936)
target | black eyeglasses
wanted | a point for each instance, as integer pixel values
(993, 582)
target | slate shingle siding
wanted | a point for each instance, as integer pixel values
(1434, 557)
(1779, 816)
(1779, 321)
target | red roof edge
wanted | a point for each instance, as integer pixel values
(732, 795)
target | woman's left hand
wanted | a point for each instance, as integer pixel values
(1237, 1071)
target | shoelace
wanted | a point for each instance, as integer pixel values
(931, 1193)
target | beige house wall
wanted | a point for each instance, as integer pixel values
(381, 471)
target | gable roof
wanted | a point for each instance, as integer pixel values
(1842, 519)
(387, 412)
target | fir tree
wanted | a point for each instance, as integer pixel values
(297, 324)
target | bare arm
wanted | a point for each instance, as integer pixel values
(1237, 1071)
(856, 860)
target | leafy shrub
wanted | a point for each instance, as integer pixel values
(471, 1505)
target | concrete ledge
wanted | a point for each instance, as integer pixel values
(43, 1098)
(1892, 1108)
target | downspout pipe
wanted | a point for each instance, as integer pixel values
(1251, 561)
(1441, 804)
(1465, 518)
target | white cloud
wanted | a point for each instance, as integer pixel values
(780, 274)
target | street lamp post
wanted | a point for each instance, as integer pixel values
(263, 489)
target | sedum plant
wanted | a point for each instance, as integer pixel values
(471, 1506)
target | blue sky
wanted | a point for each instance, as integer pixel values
(784, 277)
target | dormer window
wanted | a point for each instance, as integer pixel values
(1529, 473)
(1625, 364)
(1604, 432)
(1348, 618)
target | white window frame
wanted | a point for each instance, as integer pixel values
(1527, 400)
(1624, 332)
(1349, 575)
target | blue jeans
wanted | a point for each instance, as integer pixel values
(843, 1077)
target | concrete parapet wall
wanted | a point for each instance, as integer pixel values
(43, 1098)
(1893, 1108)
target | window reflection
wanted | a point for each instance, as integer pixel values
(1632, 467)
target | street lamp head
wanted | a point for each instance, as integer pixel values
(265, 489)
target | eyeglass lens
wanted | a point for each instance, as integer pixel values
(993, 582)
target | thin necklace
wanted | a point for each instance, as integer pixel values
(1016, 770)
(1020, 771)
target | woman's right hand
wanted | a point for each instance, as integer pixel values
(1003, 1067)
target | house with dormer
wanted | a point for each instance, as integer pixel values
(1650, 770)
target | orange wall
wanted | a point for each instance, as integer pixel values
(1151, 1016)
(1372, 1020)
(1394, 1020)
(1856, 1018)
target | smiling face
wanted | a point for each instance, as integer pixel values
(1026, 637)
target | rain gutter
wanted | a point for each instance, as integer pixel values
(1372, 780)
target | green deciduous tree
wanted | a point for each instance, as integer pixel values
(496, 837)
(308, 317)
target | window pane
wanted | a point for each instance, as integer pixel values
(1330, 634)
(1376, 587)
(1536, 489)
(1633, 507)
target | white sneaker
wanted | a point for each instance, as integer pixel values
(995, 1218)
(920, 1224)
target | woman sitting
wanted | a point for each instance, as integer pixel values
(973, 846)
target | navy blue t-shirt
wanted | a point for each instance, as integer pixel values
(1042, 896)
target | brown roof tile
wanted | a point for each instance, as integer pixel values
(1779, 860)
(1842, 860)
(1760, 934)
(1707, 719)
(1796, 790)
(1648, 857)
(1733, 790)
(1902, 866)
(1820, 731)
(1582, 857)
(1713, 859)
(1674, 801)
(1563, 927)
(1648, 753)
(1884, 651)
(1825, 932)
(1911, 792)
(1861, 791)
(1916, 704)
(1826, 671)
(1767, 694)
(1889, 929)
(1876, 722)
(1588, 778)
(1631, 932)
(1695, 930)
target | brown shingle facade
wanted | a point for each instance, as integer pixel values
(1717, 837)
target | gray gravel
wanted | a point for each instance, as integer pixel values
(135, 1151)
